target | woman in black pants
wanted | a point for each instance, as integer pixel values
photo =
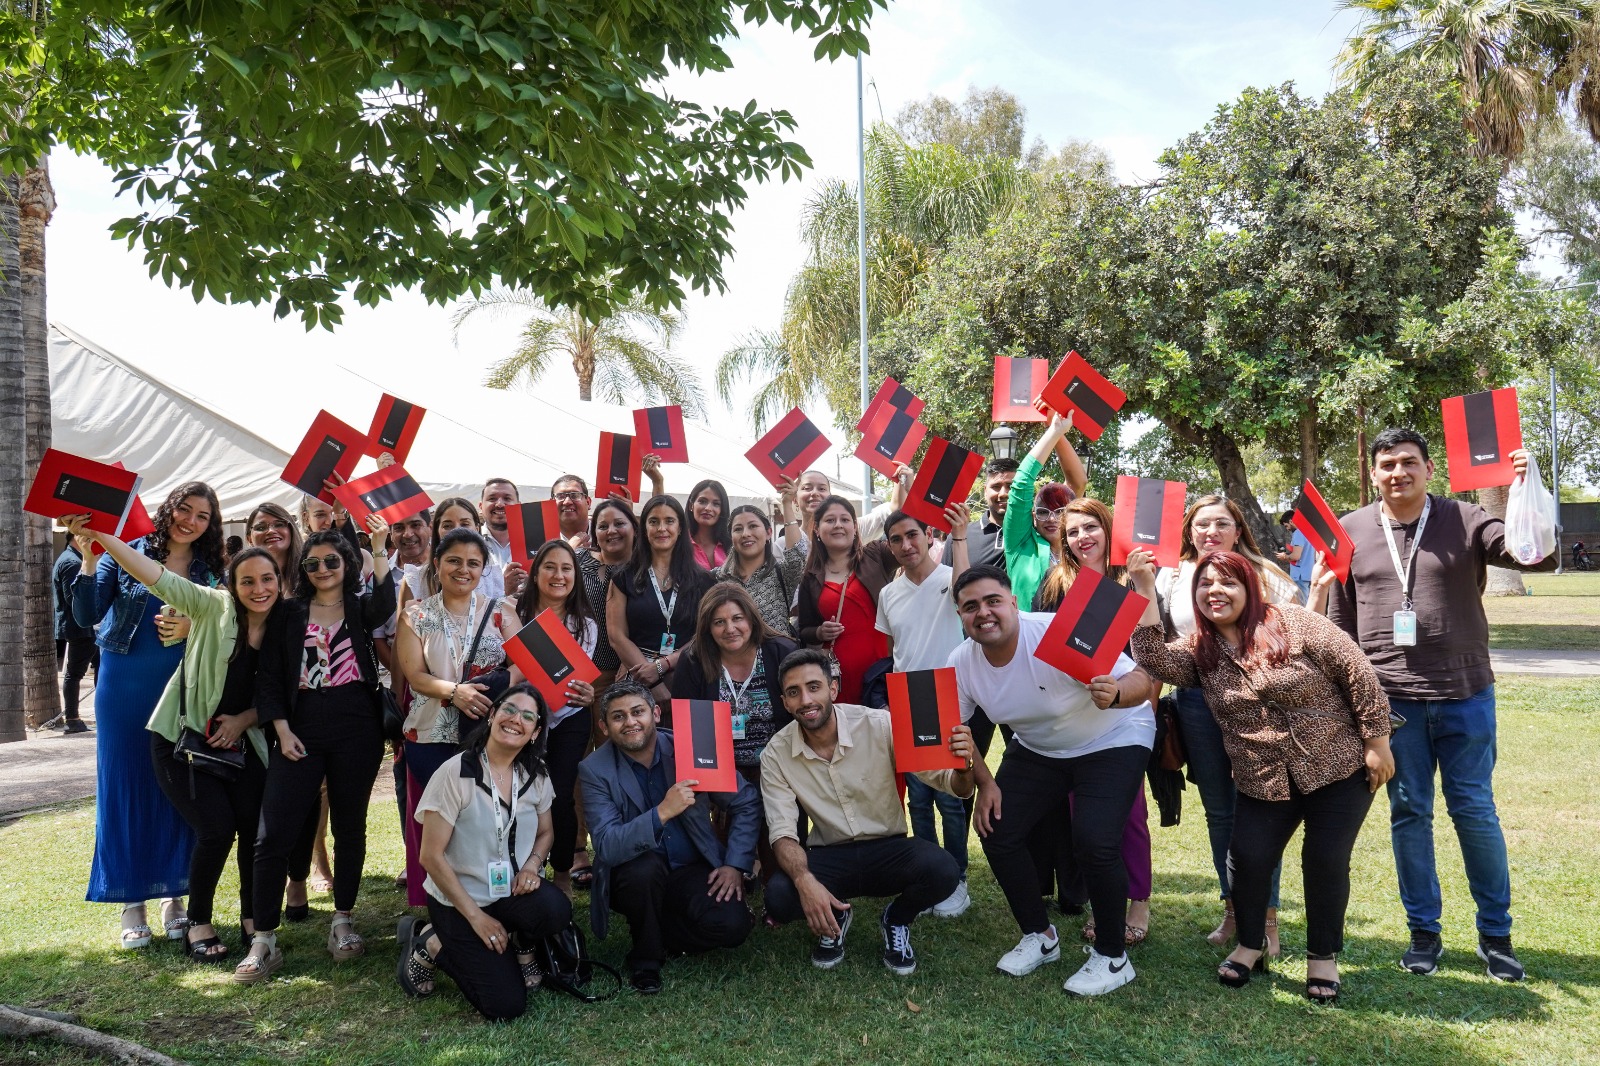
(213, 693)
(486, 832)
(1306, 727)
(318, 686)
(556, 584)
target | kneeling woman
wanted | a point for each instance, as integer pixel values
(1306, 727)
(486, 831)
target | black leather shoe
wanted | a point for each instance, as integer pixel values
(646, 982)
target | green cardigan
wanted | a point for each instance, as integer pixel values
(212, 635)
(1027, 553)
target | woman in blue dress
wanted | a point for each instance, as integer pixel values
(141, 843)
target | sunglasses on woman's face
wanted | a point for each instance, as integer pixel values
(332, 562)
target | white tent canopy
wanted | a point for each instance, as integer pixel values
(109, 408)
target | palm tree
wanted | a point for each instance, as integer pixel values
(41, 693)
(920, 200)
(13, 470)
(623, 359)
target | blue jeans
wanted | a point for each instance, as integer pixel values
(1458, 738)
(923, 799)
(1212, 773)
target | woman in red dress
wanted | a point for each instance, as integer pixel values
(841, 568)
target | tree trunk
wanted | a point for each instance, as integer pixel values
(1310, 456)
(583, 357)
(1364, 480)
(13, 487)
(1236, 484)
(1500, 581)
(41, 695)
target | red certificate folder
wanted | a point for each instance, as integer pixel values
(68, 484)
(891, 438)
(1079, 388)
(786, 449)
(1314, 518)
(661, 430)
(530, 525)
(139, 523)
(923, 709)
(1480, 433)
(330, 447)
(890, 394)
(394, 427)
(702, 744)
(1091, 627)
(391, 494)
(621, 466)
(1017, 383)
(1149, 515)
(945, 477)
(550, 657)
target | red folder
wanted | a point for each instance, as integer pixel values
(661, 430)
(530, 525)
(923, 708)
(1314, 518)
(330, 447)
(1149, 515)
(891, 438)
(1017, 383)
(394, 427)
(67, 484)
(890, 394)
(1079, 388)
(139, 523)
(785, 450)
(1481, 430)
(1091, 627)
(945, 477)
(391, 493)
(702, 744)
(621, 466)
(550, 657)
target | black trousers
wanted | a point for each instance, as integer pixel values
(78, 655)
(1332, 816)
(918, 873)
(219, 812)
(344, 743)
(1034, 788)
(670, 910)
(563, 754)
(492, 981)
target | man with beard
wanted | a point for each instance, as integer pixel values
(500, 573)
(658, 860)
(837, 762)
(984, 541)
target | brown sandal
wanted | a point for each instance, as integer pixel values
(257, 968)
(346, 946)
(1226, 930)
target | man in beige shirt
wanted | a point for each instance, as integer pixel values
(837, 761)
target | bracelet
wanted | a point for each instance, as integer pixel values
(957, 540)
(452, 700)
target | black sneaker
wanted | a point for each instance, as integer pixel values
(1423, 956)
(646, 982)
(829, 951)
(897, 953)
(1503, 964)
(75, 725)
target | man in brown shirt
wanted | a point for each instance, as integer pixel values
(1414, 602)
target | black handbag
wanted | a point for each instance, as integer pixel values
(566, 966)
(191, 748)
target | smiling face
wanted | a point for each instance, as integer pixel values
(996, 491)
(460, 568)
(808, 695)
(411, 540)
(329, 573)
(750, 536)
(189, 519)
(556, 575)
(1047, 522)
(613, 533)
(1086, 540)
(988, 612)
(812, 489)
(1219, 596)
(268, 531)
(1401, 475)
(255, 585)
(1212, 529)
(836, 528)
(631, 722)
(318, 516)
(706, 509)
(730, 628)
(516, 721)
(455, 517)
(572, 504)
(661, 528)
(497, 496)
(909, 543)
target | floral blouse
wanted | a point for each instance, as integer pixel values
(445, 643)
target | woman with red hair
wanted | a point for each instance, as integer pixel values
(1032, 523)
(1306, 726)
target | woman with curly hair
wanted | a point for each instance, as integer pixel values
(142, 843)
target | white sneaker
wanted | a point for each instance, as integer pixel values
(1100, 975)
(1031, 952)
(953, 907)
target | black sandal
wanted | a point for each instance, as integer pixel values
(201, 950)
(296, 912)
(1238, 974)
(1322, 983)
(583, 878)
(415, 964)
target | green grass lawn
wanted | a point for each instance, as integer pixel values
(1562, 613)
(765, 1003)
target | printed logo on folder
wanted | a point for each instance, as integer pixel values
(923, 708)
(621, 466)
(702, 744)
(529, 526)
(890, 394)
(945, 476)
(1148, 516)
(67, 484)
(1079, 388)
(1314, 518)
(391, 493)
(1017, 382)
(892, 438)
(661, 430)
(1481, 431)
(329, 447)
(394, 427)
(1091, 627)
(785, 450)
(550, 657)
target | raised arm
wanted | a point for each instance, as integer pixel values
(1169, 663)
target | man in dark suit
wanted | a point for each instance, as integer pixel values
(658, 861)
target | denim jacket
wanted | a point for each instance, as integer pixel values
(113, 602)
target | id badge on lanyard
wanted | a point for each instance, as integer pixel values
(498, 872)
(1405, 619)
(741, 717)
(669, 640)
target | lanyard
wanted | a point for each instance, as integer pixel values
(667, 606)
(737, 689)
(499, 814)
(1404, 572)
(458, 642)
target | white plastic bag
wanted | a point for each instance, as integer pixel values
(1530, 518)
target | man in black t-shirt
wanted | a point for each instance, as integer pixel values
(984, 542)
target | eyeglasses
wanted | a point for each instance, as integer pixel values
(530, 717)
(332, 562)
(1044, 514)
(1219, 525)
(265, 527)
(568, 497)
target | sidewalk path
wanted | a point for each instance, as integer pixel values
(49, 767)
(1549, 663)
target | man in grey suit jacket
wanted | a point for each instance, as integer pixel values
(658, 861)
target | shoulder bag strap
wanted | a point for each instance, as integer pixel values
(477, 638)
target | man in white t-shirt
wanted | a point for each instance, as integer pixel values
(917, 615)
(1090, 741)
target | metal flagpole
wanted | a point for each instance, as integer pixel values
(861, 257)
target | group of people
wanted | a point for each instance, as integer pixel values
(240, 696)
